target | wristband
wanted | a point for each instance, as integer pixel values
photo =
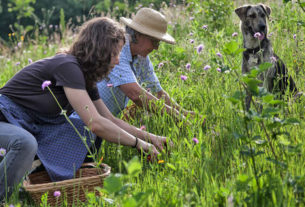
(136, 143)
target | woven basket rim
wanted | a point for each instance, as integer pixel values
(65, 183)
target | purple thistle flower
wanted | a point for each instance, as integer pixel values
(109, 85)
(273, 59)
(199, 48)
(148, 90)
(160, 65)
(219, 70)
(2, 152)
(17, 63)
(270, 34)
(192, 18)
(294, 36)
(183, 77)
(195, 140)
(45, 84)
(234, 34)
(188, 66)
(191, 34)
(191, 41)
(56, 193)
(30, 60)
(207, 67)
(259, 35)
(11, 205)
(219, 54)
(205, 27)
(19, 44)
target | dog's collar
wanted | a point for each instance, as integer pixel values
(256, 49)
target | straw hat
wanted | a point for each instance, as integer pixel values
(150, 22)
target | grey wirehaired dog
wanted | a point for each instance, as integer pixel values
(259, 50)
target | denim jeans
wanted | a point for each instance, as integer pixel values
(21, 148)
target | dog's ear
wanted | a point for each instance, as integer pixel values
(242, 11)
(266, 9)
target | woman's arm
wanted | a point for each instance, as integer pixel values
(102, 127)
(158, 141)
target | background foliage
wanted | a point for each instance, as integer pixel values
(241, 159)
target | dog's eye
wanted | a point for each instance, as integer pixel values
(253, 16)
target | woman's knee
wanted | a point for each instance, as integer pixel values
(26, 143)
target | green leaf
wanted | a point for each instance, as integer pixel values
(238, 136)
(264, 66)
(276, 102)
(232, 48)
(133, 167)
(291, 121)
(283, 140)
(252, 84)
(179, 50)
(242, 182)
(269, 111)
(171, 166)
(268, 98)
(236, 98)
(113, 183)
(260, 142)
(276, 162)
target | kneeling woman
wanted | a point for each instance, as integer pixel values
(30, 119)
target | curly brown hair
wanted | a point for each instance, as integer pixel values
(97, 41)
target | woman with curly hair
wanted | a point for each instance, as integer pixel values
(31, 120)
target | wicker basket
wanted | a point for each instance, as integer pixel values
(72, 190)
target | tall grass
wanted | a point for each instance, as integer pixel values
(214, 172)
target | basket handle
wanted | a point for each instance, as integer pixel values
(88, 164)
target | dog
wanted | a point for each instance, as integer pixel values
(258, 49)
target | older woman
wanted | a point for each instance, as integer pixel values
(31, 122)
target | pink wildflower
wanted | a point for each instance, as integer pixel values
(188, 66)
(273, 59)
(259, 35)
(199, 48)
(45, 84)
(207, 67)
(294, 36)
(109, 85)
(143, 127)
(205, 27)
(30, 60)
(183, 77)
(195, 140)
(218, 69)
(191, 41)
(234, 34)
(2, 152)
(56, 193)
(160, 65)
(219, 54)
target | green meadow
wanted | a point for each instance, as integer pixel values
(253, 158)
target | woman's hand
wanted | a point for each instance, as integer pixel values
(148, 148)
(160, 142)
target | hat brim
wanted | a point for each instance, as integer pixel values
(139, 28)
